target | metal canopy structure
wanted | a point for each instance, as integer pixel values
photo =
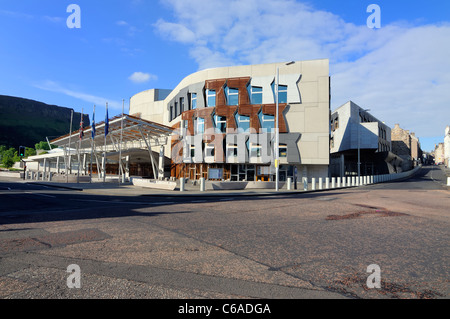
(125, 133)
(126, 128)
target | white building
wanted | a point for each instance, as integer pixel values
(357, 137)
(447, 146)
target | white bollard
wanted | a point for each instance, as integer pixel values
(327, 182)
(305, 183)
(202, 184)
(333, 182)
(182, 184)
(338, 182)
(320, 183)
(349, 181)
(343, 182)
(289, 182)
(448, 181)
(313, 183)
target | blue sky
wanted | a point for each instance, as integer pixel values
(400, 71)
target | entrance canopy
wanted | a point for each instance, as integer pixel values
(126, 130)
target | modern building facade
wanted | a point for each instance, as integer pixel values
(359, 143)
(225, 121)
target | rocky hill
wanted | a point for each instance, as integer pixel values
(26, 122)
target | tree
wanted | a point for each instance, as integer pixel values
(8, 157)
(42, 145)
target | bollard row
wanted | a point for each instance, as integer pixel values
(335, 182)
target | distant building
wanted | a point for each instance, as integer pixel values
(407, 146)
(354, 128)
(439, 153)
(447, 146)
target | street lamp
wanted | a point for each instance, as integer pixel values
(277, 133)
(359, 138)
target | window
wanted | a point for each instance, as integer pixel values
(232, 150)
(193, 101)
(232, 96)
(199, 125)
(209, 150)
(255, 150)
(282, 93)
(192, 151)
(171, 113)
(181, 105)
(220, 123)
(210, 98)
(256, 94)
(176, 109)
(243, 122)
(282, 150)
(267, 122)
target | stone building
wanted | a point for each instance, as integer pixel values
(439, 153)
(407, 146)
(447, 147)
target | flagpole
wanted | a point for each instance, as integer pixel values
(69, 159)
(120, 144)
(79, 145)
(104, 153)
(93, 137)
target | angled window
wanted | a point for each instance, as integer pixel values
(267, 122)
(232, 150)
(232, 96)
(193, 101)
(199, 125)
(256, 94)
(282, 93)
(181, 105)
(210, 98)
(220, 123)
(243, 122)
(255, 150)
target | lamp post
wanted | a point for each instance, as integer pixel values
(359, 138)
(277, 133)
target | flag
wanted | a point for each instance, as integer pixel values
(81, 126)
(93, 124)
(106, 121)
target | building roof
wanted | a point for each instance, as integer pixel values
(122, 127)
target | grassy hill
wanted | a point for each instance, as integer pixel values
(26, 122)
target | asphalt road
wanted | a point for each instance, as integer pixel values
(299, 246)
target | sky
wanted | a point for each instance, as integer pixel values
(108, 51)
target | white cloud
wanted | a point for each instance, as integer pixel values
(96, 100)
(401, 71)
(140, 77)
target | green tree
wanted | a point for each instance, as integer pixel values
(8, 157)
(42, 145)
